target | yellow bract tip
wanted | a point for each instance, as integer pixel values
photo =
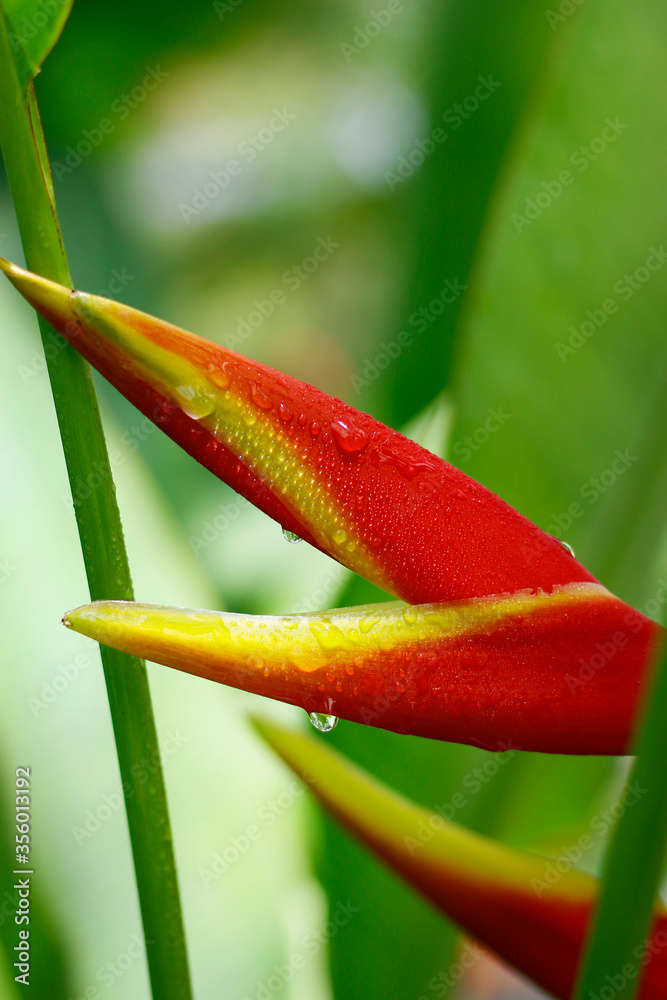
(47, 297)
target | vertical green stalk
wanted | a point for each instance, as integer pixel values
(634, 862)
(102, 542)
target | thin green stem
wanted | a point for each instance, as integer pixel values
(616, 952)
(102, 542)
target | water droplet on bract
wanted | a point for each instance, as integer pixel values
(291, 536)
(195, 401)
(368, 621)
(349, 438)
(219, 375)
(323, 723)
(260, 398)
(314, 428)
(567, 547)
(285, 413)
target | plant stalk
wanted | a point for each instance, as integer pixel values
(102, 542)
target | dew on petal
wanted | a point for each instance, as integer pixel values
(350, 439)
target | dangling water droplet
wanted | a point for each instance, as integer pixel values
(285, 413)
(323, 723)
(567, 547)
(314, 428)
(291, 536)
(349, 438)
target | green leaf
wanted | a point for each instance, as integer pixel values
(34, 28)
(487, 65)
(634, 862)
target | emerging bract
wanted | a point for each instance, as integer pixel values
(503, 897)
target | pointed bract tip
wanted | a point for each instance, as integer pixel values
(72, 619)
(95, 619)
(47, 297)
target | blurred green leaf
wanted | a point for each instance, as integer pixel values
(487, 69)
(35, 26)
(634, 862)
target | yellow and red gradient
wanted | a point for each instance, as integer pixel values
(558, 672)
(496, 894)
(371, 498)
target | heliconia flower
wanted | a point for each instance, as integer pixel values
(511, 637)
(531, 911)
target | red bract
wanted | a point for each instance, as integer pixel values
(507, 899)
(374, 500)
(498, 670)
(513, 638)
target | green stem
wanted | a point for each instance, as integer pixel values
(102, 542)
(634, 862)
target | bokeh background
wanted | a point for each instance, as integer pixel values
(547, 361)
